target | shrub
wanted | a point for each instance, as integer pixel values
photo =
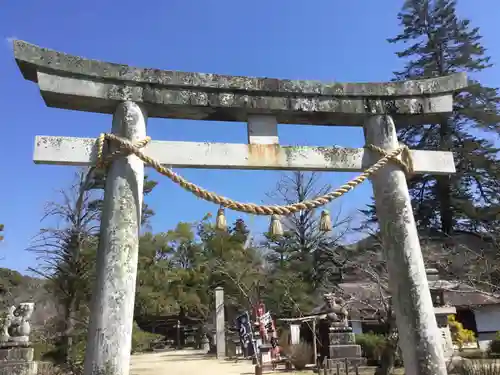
(300, 355)
(459, 334)
(284, 340)
(45, 368)
(53, 352)
(41, 349)
(478, 367)
(142, 340)
(372, 345)
(494, 346)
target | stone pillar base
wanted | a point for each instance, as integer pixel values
(18, 368)
(17, 361)
(345, 351)
(266, 360)
(16, 354)
(343, 348)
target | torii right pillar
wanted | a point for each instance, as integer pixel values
(419, 336)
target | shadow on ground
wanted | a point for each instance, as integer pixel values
(187, 357)
(186, 362)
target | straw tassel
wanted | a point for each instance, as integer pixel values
(275, 227)
(325, 222)
(220, 220)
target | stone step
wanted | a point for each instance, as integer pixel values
(345, 351)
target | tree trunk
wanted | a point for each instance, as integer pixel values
(69, 327)
(446, 212)
(388, 357)
(444, 184)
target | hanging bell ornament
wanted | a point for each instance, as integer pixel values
(220, 220)
(325, 222)
(275, 227)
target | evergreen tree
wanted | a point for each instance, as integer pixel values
(304, 248)
(67, 253)
(439, 43)
(304, 262)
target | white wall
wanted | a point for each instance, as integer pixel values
(356, 327)
(484, 339)
(294, 334)
(488, 318)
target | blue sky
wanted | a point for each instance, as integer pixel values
(319, 39)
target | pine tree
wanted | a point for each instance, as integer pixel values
(439, 43)
(304, 248)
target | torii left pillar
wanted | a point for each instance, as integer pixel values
(111, 319)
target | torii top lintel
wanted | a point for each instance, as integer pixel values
(78, 83)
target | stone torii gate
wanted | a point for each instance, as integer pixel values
(133, 94)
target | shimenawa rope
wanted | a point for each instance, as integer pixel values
(126, 148)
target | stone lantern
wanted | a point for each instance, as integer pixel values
(441, 310)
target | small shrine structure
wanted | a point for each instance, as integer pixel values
(332, 337)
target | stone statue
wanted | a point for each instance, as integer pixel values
(335, 310)
(16, 327)
(5, 322)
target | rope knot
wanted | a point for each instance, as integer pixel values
(125, 148)
(406, 162)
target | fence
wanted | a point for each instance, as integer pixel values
(344, 367)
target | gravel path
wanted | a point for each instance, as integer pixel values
(186, 362)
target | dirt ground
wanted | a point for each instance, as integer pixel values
(186, 362)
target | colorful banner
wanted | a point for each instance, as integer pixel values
(244, 326)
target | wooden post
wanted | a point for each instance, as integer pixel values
(323, 367)
(110, 330)
(418, 332)
(315, 344)
(178, 333)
